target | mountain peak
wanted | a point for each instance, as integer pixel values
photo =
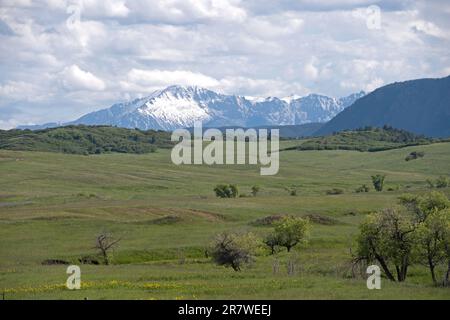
(183, 88)
(178, 87)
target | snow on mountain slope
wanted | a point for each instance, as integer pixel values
(271, 111)
(180, 106)
(175, 108)
(110, 115)
(319, 108)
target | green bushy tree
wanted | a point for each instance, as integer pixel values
(433, 237)
(418, 233)
(290, 231)
(386, 237)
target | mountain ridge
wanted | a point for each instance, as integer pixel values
(421, 106)
(180, 106)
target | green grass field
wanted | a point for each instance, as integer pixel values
(53, 205)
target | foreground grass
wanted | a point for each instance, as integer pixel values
(203, 281)
(53, 205)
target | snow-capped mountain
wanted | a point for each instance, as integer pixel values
(179, 106)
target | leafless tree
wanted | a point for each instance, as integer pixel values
(230, 252)
(104, 243)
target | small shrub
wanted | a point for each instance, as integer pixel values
(394, 188)
(362, 188)
(292, 191)
(378, 182)
(234, 190)
(415, 155)
(226, 191)
(430, 183)
(442, 182)
(244, 195)
(222, 191)
(335, 191)
(255, 190)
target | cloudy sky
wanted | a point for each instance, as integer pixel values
(60, 59)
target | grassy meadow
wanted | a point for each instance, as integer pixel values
(53, 205)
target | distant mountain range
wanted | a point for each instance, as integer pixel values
(421, 106)
(180, 106)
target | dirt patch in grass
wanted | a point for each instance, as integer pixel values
(14, 204)
(166, 216)
(211, 216)
(267, 221)
(54, 218)
(334, 191)
(356, 213)
(170, 219)
(324, 220)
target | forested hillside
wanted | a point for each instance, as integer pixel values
(85, 140)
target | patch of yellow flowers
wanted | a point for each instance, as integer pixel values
(109, 284)
(44, 288)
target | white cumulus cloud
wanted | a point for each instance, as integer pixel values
(74, 78)
(146, 80)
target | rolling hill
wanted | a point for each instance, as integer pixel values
(365, 139)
